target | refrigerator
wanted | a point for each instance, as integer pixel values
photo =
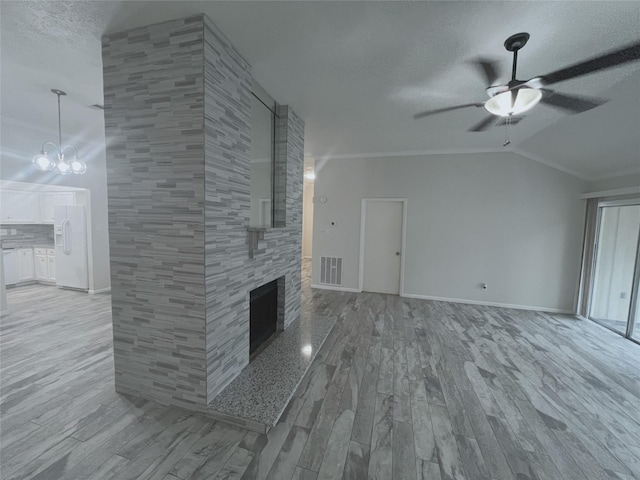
(70, 233)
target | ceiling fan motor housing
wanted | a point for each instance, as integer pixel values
(516, 42)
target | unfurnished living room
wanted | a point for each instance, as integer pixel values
(320, 240)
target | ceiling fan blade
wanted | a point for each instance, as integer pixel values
(485, 124)
(570, 103)
(630, 53)
(488, 68)
(447, 109)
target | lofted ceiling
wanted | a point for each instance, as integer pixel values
(356, 71)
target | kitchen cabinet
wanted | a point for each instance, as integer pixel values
(28, 207)
(44, 264)
(11, 272)
(51, 265)
(25, 264)
(41, 264)
(49, 200)
(19, 207)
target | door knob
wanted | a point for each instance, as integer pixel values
(397, 253)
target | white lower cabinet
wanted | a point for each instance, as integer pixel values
(45, 264)
(25, 264)
(41, 266)
(11, 272)
(51, 260)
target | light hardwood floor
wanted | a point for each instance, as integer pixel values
(402, 389)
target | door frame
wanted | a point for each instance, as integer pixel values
(635, 290)
(363, 216)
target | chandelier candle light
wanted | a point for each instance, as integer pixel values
(61, 165)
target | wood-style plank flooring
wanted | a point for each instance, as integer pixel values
(402, 389)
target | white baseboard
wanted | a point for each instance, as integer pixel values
(489, 304)
(100, 290)
(333, 287)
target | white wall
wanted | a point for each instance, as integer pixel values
(471, 218)
(625, 181)
(307, 218)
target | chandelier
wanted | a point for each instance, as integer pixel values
(59, 163)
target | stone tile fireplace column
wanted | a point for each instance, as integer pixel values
(177, 119)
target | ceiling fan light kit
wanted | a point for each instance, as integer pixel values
(504, 104)
(56, 161)
(519, 96)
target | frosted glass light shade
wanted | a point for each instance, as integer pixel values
(63, 168)
(77, 166)
(43, 162)
(526, 99)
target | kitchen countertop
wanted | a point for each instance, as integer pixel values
(14, 246)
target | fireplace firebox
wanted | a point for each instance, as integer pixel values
(264, 314)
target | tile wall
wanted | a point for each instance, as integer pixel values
(178, 137)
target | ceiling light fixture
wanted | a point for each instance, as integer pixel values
(45, 163)
(310, 175)
(513, 102)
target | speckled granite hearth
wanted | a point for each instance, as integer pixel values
(256, 398)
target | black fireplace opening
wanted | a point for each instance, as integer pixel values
(263, 320)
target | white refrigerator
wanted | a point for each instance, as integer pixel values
(70, 232)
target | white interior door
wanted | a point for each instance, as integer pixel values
(382, 244)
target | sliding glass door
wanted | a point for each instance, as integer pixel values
(635, 326)
(614, 297)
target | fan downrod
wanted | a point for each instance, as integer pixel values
(516, 42)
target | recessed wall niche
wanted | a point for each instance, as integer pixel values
(263, 133)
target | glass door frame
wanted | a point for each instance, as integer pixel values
(634, 302)
(634, 314)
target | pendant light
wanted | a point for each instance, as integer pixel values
(59, 164)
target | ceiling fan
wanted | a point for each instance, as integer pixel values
(519, 96)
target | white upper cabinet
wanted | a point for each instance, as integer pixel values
(49, 200)
(20, 207)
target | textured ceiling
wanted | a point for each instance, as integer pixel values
(356, 71)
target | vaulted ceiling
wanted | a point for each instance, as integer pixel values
(357, 72)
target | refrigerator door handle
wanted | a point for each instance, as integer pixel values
(66, 236)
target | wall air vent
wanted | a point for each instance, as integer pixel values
(331, 271)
